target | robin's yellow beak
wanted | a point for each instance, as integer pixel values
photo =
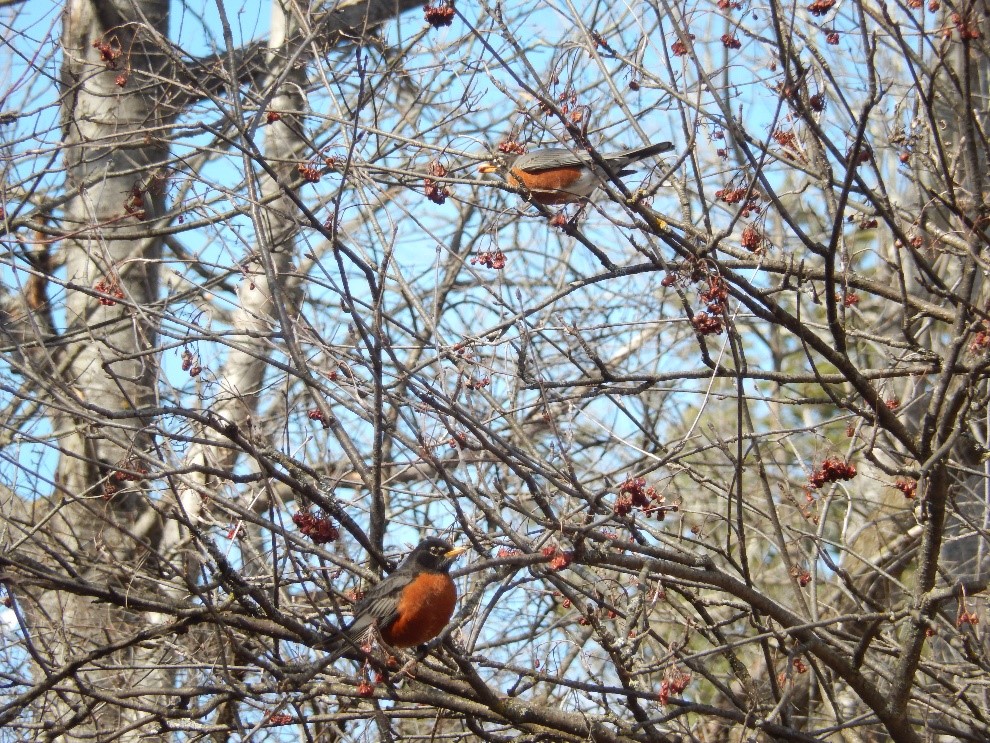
(488, 168)
(456, 552)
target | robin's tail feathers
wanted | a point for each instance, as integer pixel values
(639, 153)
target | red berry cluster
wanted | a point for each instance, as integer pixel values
(730, 41)
(365, 689)
(189, 365)
(799, 667)
(281, 719)
(753, 239)
(821, 7)
(833, 469)
(733, 195)
(272, 116)
(504, 552)
(716, 295)
(315, 414)
(864, 222)
(817, 102)
(494, 259)
(558, 558)
(786, 138)
(634, 493)
(110, 51)
(439, 15)
(436, 192)
(478, 384)
(729, 5)
(967, 617)
(907, 486)
(111, 287)
(709, 320)
(130, 470)
(511, 147)
(801, 575)
(318, 528)
(966, 28)
(849, 299)
(706, 324)
(674, 682)
(679, 48)
(309, 172)
(980, 342)
(832, 38)
(601, 42)
(134, 205)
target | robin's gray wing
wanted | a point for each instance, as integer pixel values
(561, 157)
(549, 158)
(379, 607)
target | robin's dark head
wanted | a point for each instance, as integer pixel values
(499, 163)
(433, 555)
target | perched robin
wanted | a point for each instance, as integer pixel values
(412, 605)
(557, 175)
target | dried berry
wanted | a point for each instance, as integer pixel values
(494, 259)
(752, 238)
(436, 192)
(980, 342)
(109, 286)
(439, 15)
(821, 7)
(907, 486)
(679, 48)
(319, 528)
(309, 173)
(674, 682)
(730, 41)
(832, 469)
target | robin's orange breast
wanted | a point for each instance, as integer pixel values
(557, 185)
(425, 606)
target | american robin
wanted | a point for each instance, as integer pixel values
(557, 175)
(412, 605)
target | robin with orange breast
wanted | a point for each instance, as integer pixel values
(557, 175)
(413, 604)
